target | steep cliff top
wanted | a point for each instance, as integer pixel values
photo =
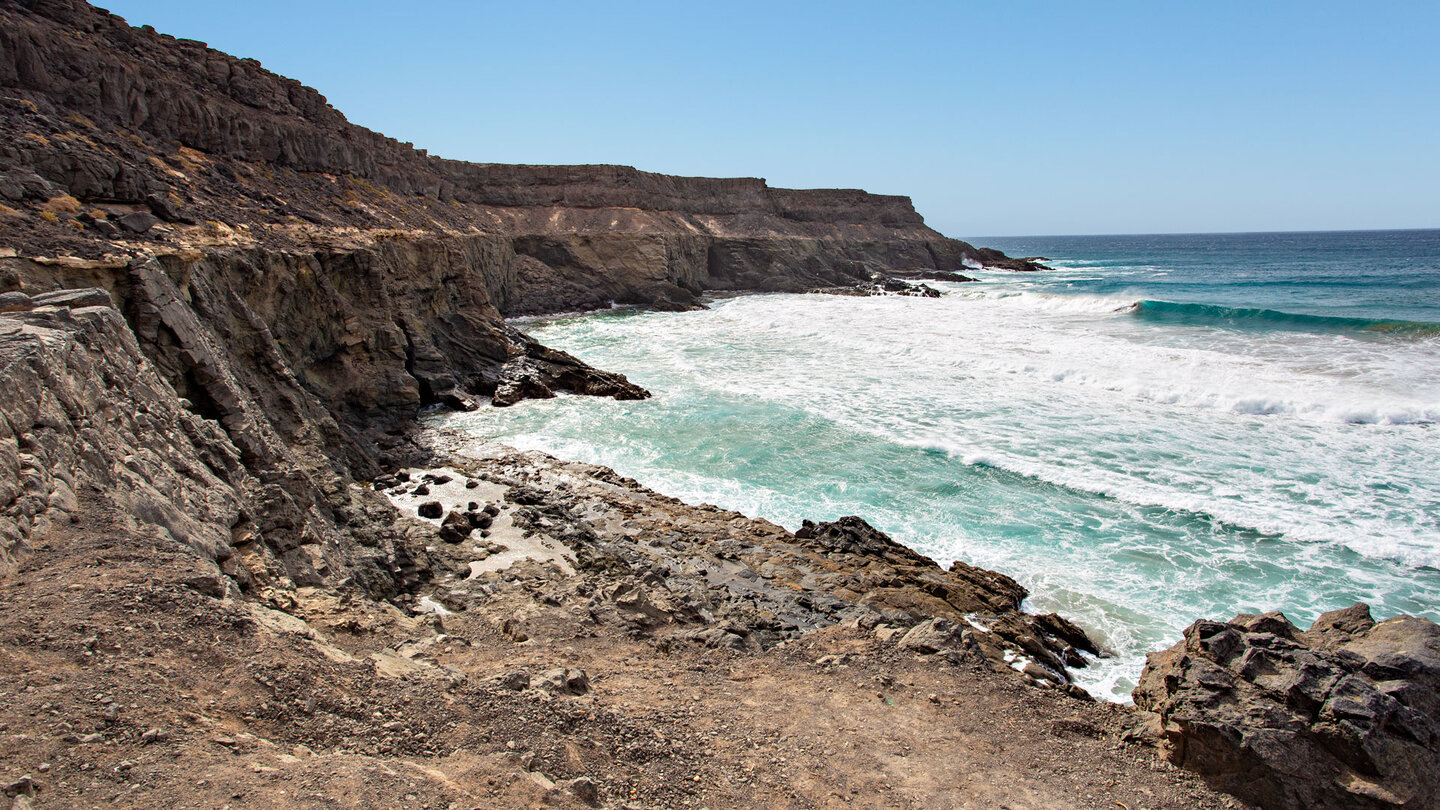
(101, 120)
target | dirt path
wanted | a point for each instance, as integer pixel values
(126, 682)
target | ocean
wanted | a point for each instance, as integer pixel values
(1160, 429)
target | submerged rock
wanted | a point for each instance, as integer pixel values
(1346, 714)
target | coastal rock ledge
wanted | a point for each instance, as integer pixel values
(1345, 714)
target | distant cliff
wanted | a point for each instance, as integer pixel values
(106, 113)
(304, 285)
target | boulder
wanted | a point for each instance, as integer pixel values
(931, 636)
(139, 221)
(516, 680)
(455, 527)
(1346, 714)
(430, 509)
(563, 682)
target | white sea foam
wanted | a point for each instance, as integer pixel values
(1133, 475)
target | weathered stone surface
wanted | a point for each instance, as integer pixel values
(89, 297)
(139, 221)
(562, 681)
(15, 302)
(1346, 714)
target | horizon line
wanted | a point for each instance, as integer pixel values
(1197, 233)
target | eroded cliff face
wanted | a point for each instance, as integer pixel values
(295, 375)
(305, 285)
(227, 304)
(105, 121)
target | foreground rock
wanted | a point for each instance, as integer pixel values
(606, 646)
(1346, 714)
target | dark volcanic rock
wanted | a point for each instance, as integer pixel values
(455, 527)
(537, 372)
(139, 222)
(1346, 714)
(906, 582)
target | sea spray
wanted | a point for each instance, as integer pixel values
(1135, 474)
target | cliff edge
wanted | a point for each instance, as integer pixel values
(231, 570)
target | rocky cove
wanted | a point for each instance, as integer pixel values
(234, 571)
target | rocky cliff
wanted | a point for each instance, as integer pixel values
(117, 118)
(306, 285)
(222, 307)
(295, 288)
(1345, 714)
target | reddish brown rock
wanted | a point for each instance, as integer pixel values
(1346, 714)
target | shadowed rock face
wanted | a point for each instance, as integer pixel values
(1346, 714)
(302, 286)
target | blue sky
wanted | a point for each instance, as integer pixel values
(1014, 118)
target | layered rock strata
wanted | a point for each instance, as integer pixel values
(303, 286)
(121, 139)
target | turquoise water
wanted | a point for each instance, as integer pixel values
(1161, 429)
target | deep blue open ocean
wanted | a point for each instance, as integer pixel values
(1160, 429)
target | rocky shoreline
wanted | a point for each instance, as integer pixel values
(235, 571)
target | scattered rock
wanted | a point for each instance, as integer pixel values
(931, 636)
(24, 786)
(524, 496)
(517, 680)
(139, 222)
(456, 527)
(584, 789)
(430, 509)
(563, 682)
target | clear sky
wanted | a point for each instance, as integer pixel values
(1002, 118)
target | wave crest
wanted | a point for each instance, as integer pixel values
(1182, 314)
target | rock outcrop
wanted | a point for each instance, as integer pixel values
(1345, 714)
(938, 609)
(88, 417)
(119, 136)
(303, 286)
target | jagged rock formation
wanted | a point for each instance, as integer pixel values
(1345, 714)
(303, 370)
(962, 607)
(303, 286)
(88, 416)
